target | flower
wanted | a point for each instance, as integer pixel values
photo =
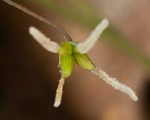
(70, 53)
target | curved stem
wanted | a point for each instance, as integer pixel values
(40, 18)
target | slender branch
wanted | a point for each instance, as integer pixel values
(40, 18)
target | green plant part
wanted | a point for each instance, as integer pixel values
(68, 56)
(83, 61)
(70, 53)
(66, 48)
(66, 59)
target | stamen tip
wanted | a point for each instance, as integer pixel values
(135, 98)
(32, 30)
(56, 104)
(105, 22)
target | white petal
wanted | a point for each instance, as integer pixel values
(43, 40)
(85, 46)
(115, 83)
(59, 93)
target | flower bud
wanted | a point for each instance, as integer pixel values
(84, 61)
(65, 48)
(66, 60)
(66, 65)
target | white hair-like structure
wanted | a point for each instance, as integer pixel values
(43, 40)
(59, 92)
(88, 44)
(115, 83)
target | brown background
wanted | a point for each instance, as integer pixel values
(29, 74)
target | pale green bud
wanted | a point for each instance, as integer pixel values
(83, 61)
(66, 48)
(66, 65)
(66, 60)
(69, 55)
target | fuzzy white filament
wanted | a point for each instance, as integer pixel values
(43, 40)
(59, 93)
(115, 83)
(85, 46)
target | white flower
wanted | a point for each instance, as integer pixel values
(84, 47)
(68, 55)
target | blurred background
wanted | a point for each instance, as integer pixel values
(30, 74)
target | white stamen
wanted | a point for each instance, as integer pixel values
(43, 40)
(85, 46)
(115, 83)
(59, 92)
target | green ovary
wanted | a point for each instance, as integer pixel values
(66, 59)
(84, 61)
(66, 65)
(66, 48)
(69, 55)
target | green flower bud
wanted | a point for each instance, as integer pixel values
(66, 60)
(84, 61)
(66, 65)
(65, 48)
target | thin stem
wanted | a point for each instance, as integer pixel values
(40, 18)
